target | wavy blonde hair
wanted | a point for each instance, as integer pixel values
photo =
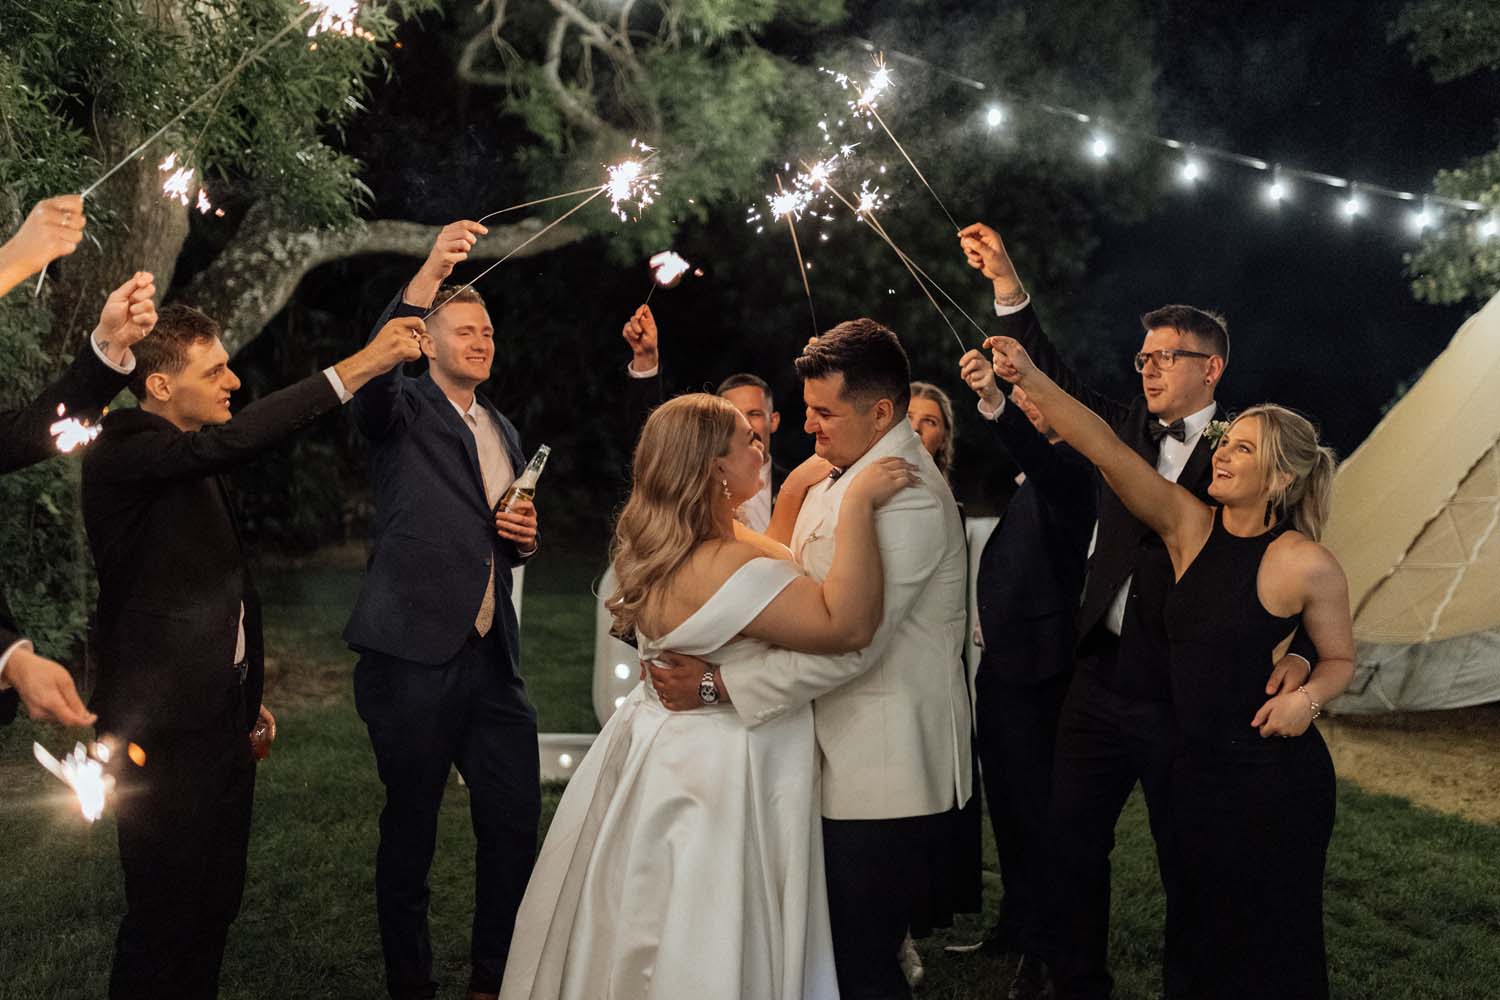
(944, 457)
(1289, 445)
(672, 495)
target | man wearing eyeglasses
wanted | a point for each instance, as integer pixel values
(1117, 726)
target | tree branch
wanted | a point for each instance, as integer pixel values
(255, 276)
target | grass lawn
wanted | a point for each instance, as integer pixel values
(1413, 897)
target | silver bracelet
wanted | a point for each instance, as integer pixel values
(1316, 706)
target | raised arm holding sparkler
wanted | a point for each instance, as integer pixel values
(53, 229)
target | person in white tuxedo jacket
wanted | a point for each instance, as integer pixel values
(892, 720)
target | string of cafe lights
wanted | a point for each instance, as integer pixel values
(1103, 136)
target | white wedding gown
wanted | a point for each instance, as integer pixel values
(685, 860)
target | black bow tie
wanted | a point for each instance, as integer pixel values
(1160, 430)
(833, 476)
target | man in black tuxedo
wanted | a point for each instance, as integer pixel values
(1117, 726)
(178, 635)
(439, 681)
(750, 394)
(1027, 587)
(53, 229)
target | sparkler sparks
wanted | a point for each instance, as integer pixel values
(338, 17)
(70, 432)
(669, 267)
(629, 181)
(83, 772)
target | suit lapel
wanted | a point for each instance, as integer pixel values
(448, 416)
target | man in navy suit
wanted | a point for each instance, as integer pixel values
(438, 682)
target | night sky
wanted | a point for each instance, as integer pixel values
(1319, 310)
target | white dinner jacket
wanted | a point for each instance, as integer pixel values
(893, 719)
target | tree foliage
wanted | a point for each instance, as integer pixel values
(1456, 38)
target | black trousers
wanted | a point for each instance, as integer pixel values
(183, 822)
(1106, 743)
(1017, 736)
(471, 712)
(878, 871)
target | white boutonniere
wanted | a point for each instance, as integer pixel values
(1215, 431)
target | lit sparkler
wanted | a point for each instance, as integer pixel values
(668, 268)
(83, 772)
(870, 200)
(628, 180)
(866, 101)
(333, 15)
(339, 17)
(625, 181)
(71, 433)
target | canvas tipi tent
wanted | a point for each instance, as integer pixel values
(1415, 516)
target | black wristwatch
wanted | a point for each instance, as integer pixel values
(708, 691)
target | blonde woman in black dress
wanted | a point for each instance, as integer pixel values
(1252, 783)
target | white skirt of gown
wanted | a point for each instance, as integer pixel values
(685, 859)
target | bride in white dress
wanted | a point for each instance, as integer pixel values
(685, 859)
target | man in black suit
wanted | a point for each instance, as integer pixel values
(750, 394)
(1117, 726)
(1030, 575)
(178, 635)
(439, 680)
(53, 229)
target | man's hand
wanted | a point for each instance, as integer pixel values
(676, 684)
(46, 689)
(979, 373)
(270, 721)
(985, 252)
(451, 248)
(128, 315)
(398, 342)
(1290, 673)
(640, 334)
(518, 525)
(53, 229)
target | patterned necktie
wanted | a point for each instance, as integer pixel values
(485, 620)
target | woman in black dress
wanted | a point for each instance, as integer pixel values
(1252, 785)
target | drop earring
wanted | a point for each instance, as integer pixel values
(725, 484)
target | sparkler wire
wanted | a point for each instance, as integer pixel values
(217, 87)
(518, 248)
(538, 201)
(908, 263)
(915, 169)
(791, 226)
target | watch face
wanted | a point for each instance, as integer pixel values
(707, 692)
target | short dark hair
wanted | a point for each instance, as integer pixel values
(740, 380)
(1208, 328)
(870, 358)
(178, 327)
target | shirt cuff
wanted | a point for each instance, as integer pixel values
(338, 385)
(649, 374)
(5, 659)
(1012, 310)
(1302, 658)
(125, 369)
(990, 414)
